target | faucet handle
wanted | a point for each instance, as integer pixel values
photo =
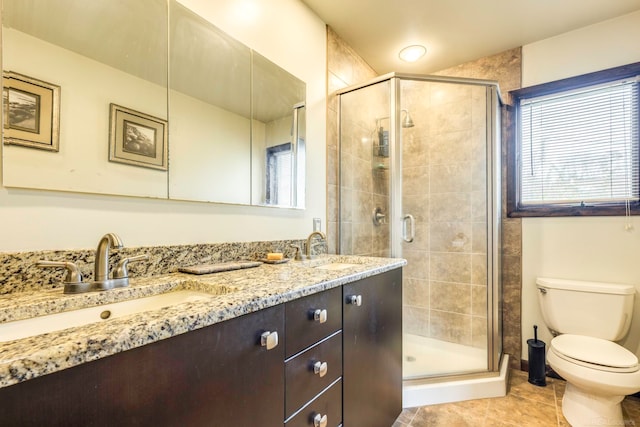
(73, 283)
(298, 254)
(72, 275)
(121, 268)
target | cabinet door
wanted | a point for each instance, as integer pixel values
(216, 376)
(372, 331)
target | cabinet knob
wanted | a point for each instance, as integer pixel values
(320, 368)
(320, 421)
(320, 316)
(355, 300)
(269, 339)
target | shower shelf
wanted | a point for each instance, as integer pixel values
(380, 151)
(380, 156)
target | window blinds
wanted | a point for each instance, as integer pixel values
(580, 146)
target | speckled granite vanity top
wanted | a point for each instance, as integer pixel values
(233, 294)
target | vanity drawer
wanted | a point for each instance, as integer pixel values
(302, 328)
(328, 404)
(303, 372)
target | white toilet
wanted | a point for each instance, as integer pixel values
(585, 319)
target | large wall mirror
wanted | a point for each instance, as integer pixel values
(89, 107)
(97, 56)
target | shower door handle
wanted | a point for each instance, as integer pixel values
(408, 237)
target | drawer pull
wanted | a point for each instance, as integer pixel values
(320, 368)
(269, 339)
(355, 300)
(320, 316)
(320, 421)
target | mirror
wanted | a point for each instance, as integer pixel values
(98, 57)
(86, 106)
(210, 105)
(278, 136)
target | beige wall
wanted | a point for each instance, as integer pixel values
(592, 248)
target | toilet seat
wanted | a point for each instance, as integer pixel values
(594, 353)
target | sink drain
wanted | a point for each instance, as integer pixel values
(105, 315)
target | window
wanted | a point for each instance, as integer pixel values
(575, 147)
(279, 162)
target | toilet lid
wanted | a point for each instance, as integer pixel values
(595, 351)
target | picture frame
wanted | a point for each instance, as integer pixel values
(137, 139)
(31, 112)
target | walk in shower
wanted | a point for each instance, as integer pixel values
(419, 179)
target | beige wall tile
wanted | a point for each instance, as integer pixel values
(415, 320)
(450, 207)
(417, 264)
(449, 267)
(450, 327)
(418, 206)
(479, 237)
(450, 177)
(450, 236)
(448, 147)
(415, 292)
(479, 269)
(479, 300)
(479, 332)
(452, 297)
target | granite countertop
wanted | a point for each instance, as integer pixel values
(233, 294)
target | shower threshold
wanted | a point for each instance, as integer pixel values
(424, 357)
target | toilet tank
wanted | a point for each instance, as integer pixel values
(601, 310)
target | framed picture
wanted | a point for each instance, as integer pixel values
(137, 139)
(31, 112)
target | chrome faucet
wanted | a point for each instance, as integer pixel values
(101, 269)
(120, 277)
(310, 238)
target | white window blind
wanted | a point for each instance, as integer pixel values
(580, 146)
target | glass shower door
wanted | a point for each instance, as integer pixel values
(444, 227)
(414, 183)
(364, 171)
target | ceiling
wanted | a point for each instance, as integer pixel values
(455, 31)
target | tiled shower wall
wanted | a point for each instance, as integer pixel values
(346, 68)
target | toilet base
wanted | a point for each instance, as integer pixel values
(583, 409)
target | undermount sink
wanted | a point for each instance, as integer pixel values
(55, 322)
(335, 266)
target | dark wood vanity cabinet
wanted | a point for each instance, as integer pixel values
(372, 350)
(338, 362)
(219, 376)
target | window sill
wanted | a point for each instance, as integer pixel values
(618, 209)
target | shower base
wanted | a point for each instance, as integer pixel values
(428, 357)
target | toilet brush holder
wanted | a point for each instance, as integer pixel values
(537, 369)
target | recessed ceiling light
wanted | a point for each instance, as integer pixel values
(412, 53)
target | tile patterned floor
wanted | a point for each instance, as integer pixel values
(524, 405)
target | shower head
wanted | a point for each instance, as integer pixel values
(407, 122)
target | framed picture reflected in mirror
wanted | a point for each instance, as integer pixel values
(31, 112)
(137, 138)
